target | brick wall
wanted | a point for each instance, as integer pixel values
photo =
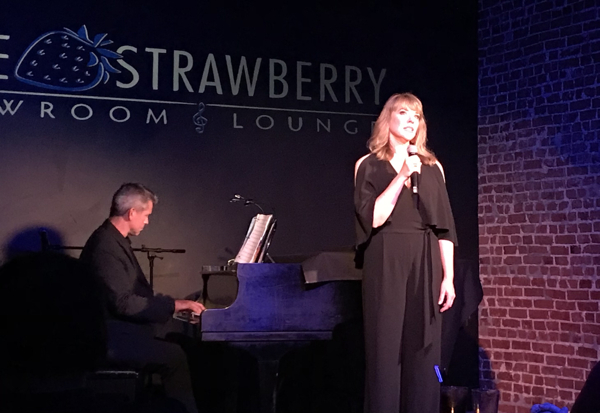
(539, 198)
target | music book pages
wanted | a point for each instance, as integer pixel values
(256, 238)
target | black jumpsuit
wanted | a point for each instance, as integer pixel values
(402, 273)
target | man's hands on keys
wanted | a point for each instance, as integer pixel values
(193, 307)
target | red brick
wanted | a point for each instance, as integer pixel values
(587, 306)
(551, 393)
(520, 367)
(489, 291)
(512, 260)
(560, 315)
(551, 371)
(543, 240)
(566, 395)
(513, 292)
(578, 295)
(498, 312)
(537, 391)
(547, 304)
(526, 334)
(518, 313)
(565, 305)
(533, 260)
(521, 281)
(559, 250)
(577, 318)
(541, 347)
(533, 292)
(587, 352)
(578, 363)
(572, 327)
(534, 358)
(535, 369)
(572, 283)
(552, 326)
(521, 345)
(501, 281)
(573, 373)
(563, 349)
(504, 375)
(591, 328)
(540, 282)
(505, 302)
(510, 323)
(539, 314)
(501, 344)
(538, 250)
(565, 239)
(523, 303)
(591, 249)
(566, 383)
(555, 294)
(570, 337)
(504, 386)
(556, 361)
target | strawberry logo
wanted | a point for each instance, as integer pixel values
(68, 61)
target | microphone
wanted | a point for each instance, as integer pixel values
(237, 198)
(412, 150)
(246, 201)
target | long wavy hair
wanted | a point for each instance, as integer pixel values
(379, 142)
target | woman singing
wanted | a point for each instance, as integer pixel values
(405, 241)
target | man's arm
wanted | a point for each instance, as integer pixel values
(119, 280)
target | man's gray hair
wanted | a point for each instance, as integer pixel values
(131, 195)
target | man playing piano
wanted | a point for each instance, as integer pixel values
(132, 307)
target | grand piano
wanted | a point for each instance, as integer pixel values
(279, 307)
(276, 311)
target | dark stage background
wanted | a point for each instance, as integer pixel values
(291, 145)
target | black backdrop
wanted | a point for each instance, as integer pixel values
(59, 167)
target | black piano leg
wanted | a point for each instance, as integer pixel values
(267, 370)
(268, 354)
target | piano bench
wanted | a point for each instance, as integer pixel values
(117, 385)
(125, 385)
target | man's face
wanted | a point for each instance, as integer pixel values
(138, 218)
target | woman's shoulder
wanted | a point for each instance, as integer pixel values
(439, 167)
(368, 159)
(365, 161)
(436, 170)
(362, 158)
(367, 165)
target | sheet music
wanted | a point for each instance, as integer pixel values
(256, 237)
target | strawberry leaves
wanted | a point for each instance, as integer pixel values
(83, 33)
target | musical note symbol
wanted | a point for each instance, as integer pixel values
(199, 120)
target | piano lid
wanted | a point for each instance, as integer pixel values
(273, 298)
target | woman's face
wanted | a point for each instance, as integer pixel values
(404, 124)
